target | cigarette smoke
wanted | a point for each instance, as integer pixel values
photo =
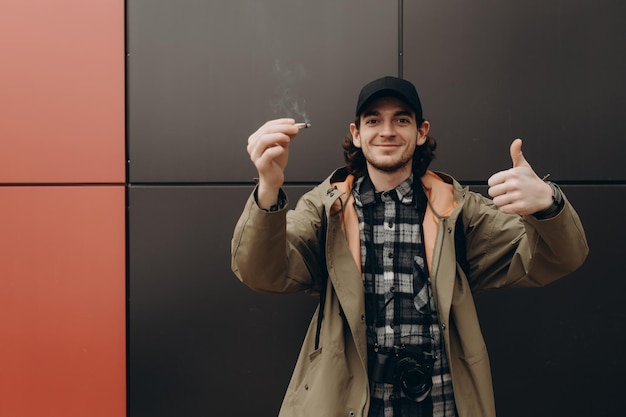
(287, 103)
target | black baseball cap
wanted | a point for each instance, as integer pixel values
(389, 86)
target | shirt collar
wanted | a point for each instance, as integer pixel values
(364, 193)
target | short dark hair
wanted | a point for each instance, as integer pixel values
(356, 164)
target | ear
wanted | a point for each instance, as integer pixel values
(422, 132)
(356, 136)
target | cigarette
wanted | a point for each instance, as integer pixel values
(303, 125)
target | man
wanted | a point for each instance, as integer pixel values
(395, 252)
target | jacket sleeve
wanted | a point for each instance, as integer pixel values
(280, 251)
(507, 250)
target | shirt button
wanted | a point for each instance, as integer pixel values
(390, 255)
(351, 413)
(392, 289)
(443, 326)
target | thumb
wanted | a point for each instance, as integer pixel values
(516, 153)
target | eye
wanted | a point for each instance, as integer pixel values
(371, 121)
(404, 121)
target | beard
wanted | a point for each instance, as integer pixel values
(390, 166)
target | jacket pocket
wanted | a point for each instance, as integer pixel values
(314, 355)
(325, 389)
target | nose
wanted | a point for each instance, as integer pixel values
(388, 128)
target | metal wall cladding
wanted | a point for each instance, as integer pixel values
(62, 92)
(203, 76)
(62, 209)
(547, 345)
(198, 335)
(548, 72)
(62, 292)
(201, 342)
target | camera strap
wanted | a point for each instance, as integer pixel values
(323, 286)
(320, 311)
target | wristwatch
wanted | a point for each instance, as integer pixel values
(555, 207)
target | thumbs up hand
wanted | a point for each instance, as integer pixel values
(519, 190)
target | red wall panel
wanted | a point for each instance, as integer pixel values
(62, 301)
(62, 91)
(62, 209)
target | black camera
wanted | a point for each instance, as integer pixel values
(408, 367)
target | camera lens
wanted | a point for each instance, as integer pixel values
(414, 382)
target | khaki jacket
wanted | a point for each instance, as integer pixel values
(296, 250)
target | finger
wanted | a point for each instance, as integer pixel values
(270, 154)
(497, 190)
(282, 121)
(279, 131)
(516, 153)
(507, 208)
(259, 145)
(497, 178)
(508, 202)
(285, 126)
(501, 200)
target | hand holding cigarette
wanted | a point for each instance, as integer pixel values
(268, 148)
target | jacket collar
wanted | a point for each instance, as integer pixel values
(445, 199)
(441, 190)
(365, 194)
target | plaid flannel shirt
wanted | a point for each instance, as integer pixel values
(400, 309)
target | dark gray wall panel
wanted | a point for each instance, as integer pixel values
(200, 342)
(554, 350)
(202, 76)
(198, 336)
(550, 72)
